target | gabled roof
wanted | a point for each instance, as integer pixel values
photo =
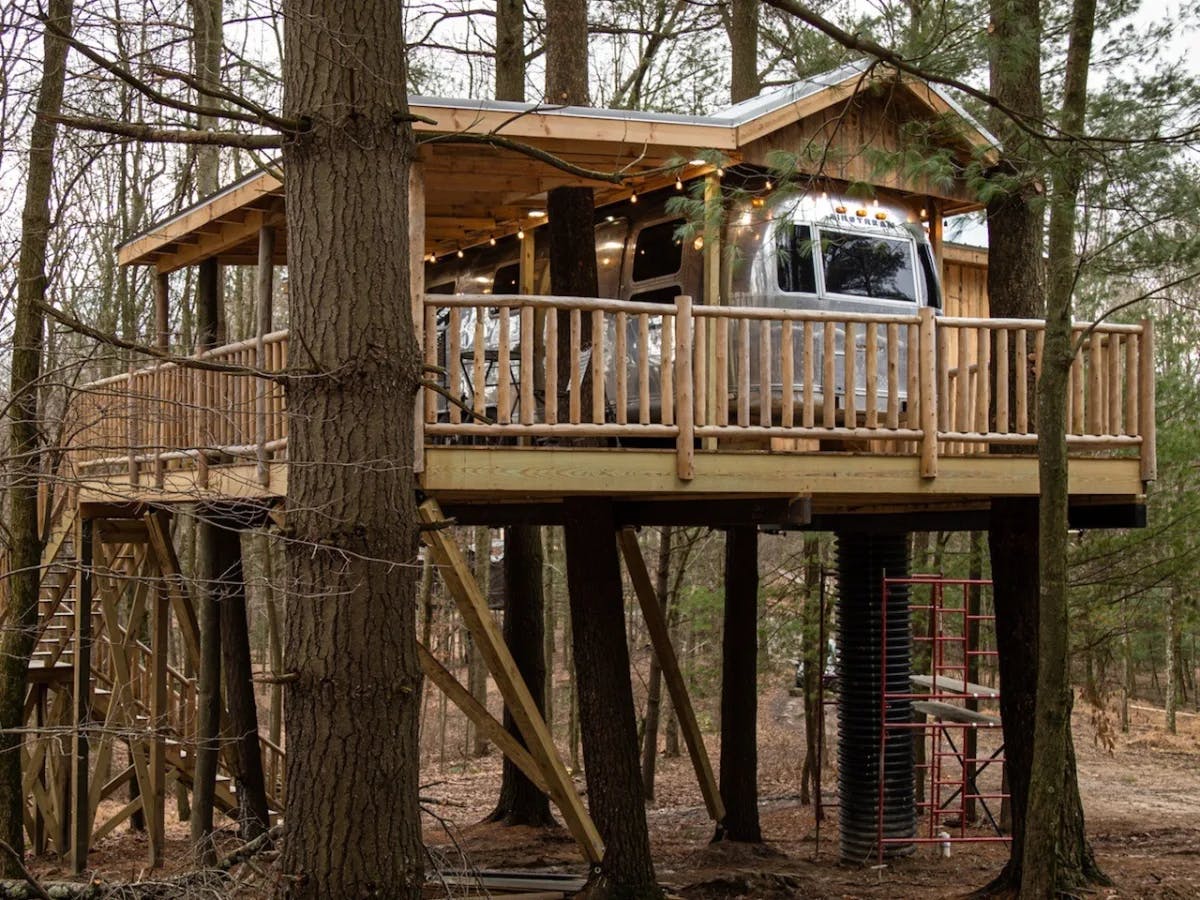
(474, 191)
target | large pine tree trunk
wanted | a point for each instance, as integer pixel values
(739, 689)
(521, 803)
(253, 814)
(353, 826)
(606, 713)
(209, 566)
(24, 437)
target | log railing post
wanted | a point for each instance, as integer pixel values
(1146, 403)
(266, 272)
(928, 400)
(685, 441)
(131, 432)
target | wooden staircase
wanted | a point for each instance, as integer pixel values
(141, 720)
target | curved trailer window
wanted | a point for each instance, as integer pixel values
(877, 268)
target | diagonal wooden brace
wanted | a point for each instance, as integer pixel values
(656, 624)
(473, 607)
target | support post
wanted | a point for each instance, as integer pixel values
(712, 294)
(81, 819)
(660, 639)
(928, 401)
(162, 310)
(266, 274)
(155, 805)
(685, 441)
(1146, 401)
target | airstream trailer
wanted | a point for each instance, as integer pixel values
(811, 251)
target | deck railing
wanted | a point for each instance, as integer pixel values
(504, 368)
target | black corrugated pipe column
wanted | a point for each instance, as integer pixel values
(862, 561)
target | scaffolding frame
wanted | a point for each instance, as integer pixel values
(945, 701)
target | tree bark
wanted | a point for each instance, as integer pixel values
(739, 689)
(510, 50)
(24, 437)
(521, 803)
(253, 814)
(208, 690)
(1055, 861)
(813, 662)
(477, 673)
(606, 712)
(743, 44)
(662, 586)
(207, 39)
(353, 823)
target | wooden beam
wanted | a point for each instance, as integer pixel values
(156, 801)
(482, 719)
(205, 245)
(473, 607)
(660, 638)
(81, 819)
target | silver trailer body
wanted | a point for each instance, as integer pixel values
(808, 252)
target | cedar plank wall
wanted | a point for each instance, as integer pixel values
(964, 289)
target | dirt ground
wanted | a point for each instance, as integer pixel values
(1141, 794)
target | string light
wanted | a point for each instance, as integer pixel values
(679, 184)
(460, 254)
(770, 186)
(491, 242)
(520, 234)
(633, 197)
(720, 172)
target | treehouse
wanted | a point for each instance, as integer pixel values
(714, 383)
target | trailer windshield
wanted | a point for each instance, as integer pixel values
(877, 267)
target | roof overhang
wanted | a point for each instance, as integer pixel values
(477, 190)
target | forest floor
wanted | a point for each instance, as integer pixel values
(1141, 795)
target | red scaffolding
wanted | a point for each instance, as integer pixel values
(963, 781)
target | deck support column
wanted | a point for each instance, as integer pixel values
(81, 819)
(875, 769)
(712, 296)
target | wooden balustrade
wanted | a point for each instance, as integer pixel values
(797, 380)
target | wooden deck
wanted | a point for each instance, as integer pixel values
(675, 402)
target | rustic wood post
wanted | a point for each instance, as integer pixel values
(712, 297)
(1146, 391)
(81, 819)
(155, 808)
(928, 400)
(685, 441)
(162, 327)
(266, 273)
(131, 431)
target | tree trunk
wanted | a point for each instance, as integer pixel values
(253, 814)
(606, 712)
(813, 666)
(510, 50)
(1173, 638)
(739, 689)
(209, 565)
(662, 586)
(207, 40)
(274, 636)
(521, 803)
(1052, 859)
(351, 708)
(743, 45)
(24, 439)
(477, 673)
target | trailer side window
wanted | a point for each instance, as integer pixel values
(658, 251)
(659, 295)
(868, 266)
(795, 263)
(507, 280)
